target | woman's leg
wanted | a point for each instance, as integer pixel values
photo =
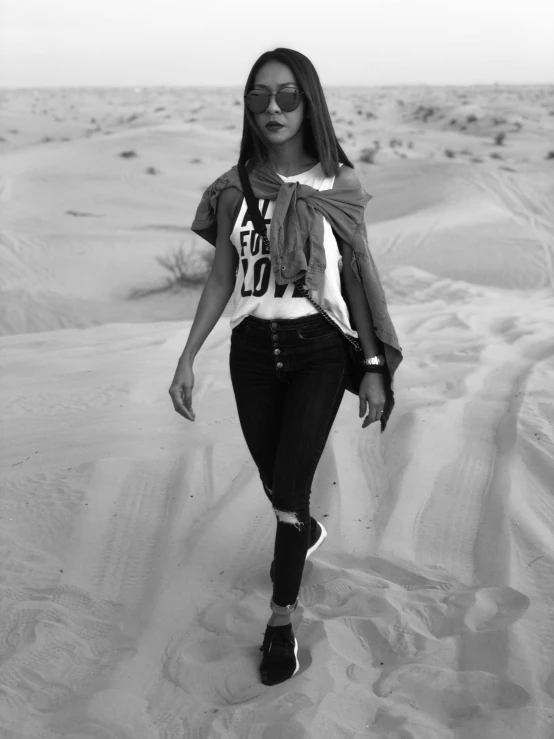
(259, 396)
(313, 398)
(287, 402)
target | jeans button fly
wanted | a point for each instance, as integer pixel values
(279, 364)
(275, 337)
(276, 351)
(273, 325)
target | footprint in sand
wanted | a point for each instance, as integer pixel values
(216, 669)
(217, 660)
(452, 697)
(549, 685)
(478, 610)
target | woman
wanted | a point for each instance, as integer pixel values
(287, 363)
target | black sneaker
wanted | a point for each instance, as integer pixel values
(280, 660)
(317, 537)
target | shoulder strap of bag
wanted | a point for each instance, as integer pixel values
(251, 201)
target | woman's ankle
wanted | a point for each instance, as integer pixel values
(277, 620)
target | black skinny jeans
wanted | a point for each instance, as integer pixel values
(288, 377)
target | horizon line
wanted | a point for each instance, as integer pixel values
(128, 86)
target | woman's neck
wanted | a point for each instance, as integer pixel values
(290, 159)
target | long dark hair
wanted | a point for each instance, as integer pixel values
(320, 140)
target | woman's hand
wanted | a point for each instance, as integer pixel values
(181, 388)
(372, 395)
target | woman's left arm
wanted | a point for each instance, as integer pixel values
(372, 392)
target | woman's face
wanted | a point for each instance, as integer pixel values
(270, 78)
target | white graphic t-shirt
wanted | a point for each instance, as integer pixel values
(256, 292)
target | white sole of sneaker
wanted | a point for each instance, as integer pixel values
(296, 657)
(319, 542)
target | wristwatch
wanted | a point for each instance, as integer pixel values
(374, 364)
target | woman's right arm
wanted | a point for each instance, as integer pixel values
(221, 282)
(213, 301)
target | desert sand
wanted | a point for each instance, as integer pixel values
(135, 545)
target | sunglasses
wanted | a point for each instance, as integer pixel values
(288, 99)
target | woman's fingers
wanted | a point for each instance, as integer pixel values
(371, 418)
(187, 401)
(181, 389)
(182, 401)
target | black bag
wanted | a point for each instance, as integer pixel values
(355, 371)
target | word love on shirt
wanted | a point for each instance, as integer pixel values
(256, 261)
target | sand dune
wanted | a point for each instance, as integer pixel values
(134, 576)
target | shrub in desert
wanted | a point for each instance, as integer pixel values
(472, 118)
(550, 154)
(128, 154)
(367, 155)
(152, 170)
(496, 155)
(449, 153)
(499, 138)
(424, 112)
(188, 266)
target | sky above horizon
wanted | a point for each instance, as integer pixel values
(353, 42)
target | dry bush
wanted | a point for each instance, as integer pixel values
(367, 155)
(423, 112)
(128, 154)
(550, 154)
(449, 153)
(188, 265)
(499, 138)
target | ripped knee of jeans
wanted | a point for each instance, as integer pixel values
(288, 517)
